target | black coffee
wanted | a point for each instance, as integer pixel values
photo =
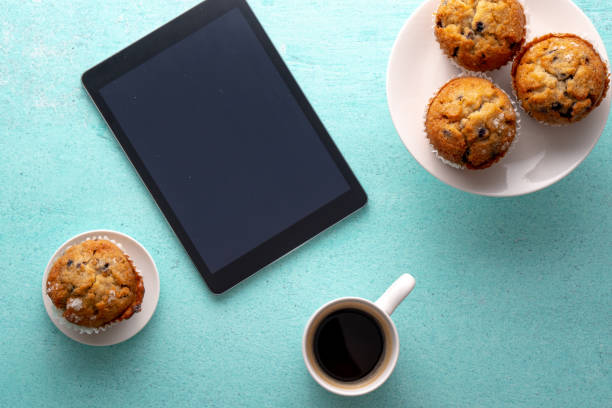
(348, 344)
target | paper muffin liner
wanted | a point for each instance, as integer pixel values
(59, 313)
(524, 49)
(468, 74)
(469, 71)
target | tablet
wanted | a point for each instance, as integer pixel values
(225, 140)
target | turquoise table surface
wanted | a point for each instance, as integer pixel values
(513, 303)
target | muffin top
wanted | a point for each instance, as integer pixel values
(95, 284)
(480, 35)
(471, 122)
(559, 78)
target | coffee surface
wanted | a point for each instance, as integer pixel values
(348, 344)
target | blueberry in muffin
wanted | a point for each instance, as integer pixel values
(471, 123)
(480, 35)
(559, 78)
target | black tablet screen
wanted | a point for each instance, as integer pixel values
(224, 139)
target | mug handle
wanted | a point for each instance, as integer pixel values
(396, 293)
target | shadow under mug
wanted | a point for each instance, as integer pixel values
(380, 311)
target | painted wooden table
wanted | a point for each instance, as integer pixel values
(513, 305)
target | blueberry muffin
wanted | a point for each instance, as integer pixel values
(559, 78)
(480, 35)
(94, 284)
(471, 123)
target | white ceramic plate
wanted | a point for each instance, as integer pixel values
(541, 156)
(127, 328)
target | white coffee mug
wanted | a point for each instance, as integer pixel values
(380, 311)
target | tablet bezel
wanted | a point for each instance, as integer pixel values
(134, 55)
